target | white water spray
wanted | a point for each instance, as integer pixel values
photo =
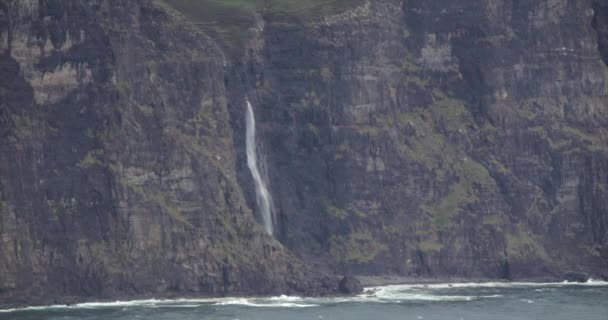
(263, 198)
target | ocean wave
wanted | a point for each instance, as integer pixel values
(399, 294)
(286, 298)
(383, 294)
(266, 303)
(590, 282)
(117, 304)
(282, 301)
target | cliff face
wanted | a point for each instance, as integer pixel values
(117, 163)
(427, 138)
(439, 138)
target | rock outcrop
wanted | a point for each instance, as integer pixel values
(438, 138)
(576, 277)
(350, 285)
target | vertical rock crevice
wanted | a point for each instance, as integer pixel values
(600, 25)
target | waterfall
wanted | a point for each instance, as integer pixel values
(263, 198)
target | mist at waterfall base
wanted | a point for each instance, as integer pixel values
(263, 198)
(496, 301)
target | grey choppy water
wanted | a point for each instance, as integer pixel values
(508, 301)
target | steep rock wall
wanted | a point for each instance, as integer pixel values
(440, 138)
(117, 162)
(416, 138)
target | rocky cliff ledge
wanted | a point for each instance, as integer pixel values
(441, 138)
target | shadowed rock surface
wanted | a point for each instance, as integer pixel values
(411, 138)
(350, 285)
(576, 277)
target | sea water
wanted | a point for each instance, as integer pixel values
(588, 301)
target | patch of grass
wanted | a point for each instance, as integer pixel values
(475, 174)
(316, 132)
(146, 110)
(326, 74)
(204, 9)
(340, 213)
(308, 102)
(498, 166)
(61, 207)
(408, 65)
(450, 205)
(156, 197)
(522, 243)
(91, 159)
(204, 121)
(334, 211)
(358, 247)
(341, 150)
(449, 113)
(430, 246)
(554, 143)
(542, 106)
(124, 88)
(161, 199)
(368, 130)
(472, 179)
(574, 229)
(230, 20)
(361, 214)
(416, 80)
(593, 250)
(569, 138)
(427, 146)
(23, 131)
(391, 229)
(494, 220)
(595, 142)
(412, 72)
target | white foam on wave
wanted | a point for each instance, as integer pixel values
(383, 294)
(590, 282)
(273, 302)
(286, 298)
(117, 304)
(266, 303)
(177, 306)
(397, 294)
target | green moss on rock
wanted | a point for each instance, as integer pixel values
(472, 179)
(522, 243)
(357, 247)
(432, 245)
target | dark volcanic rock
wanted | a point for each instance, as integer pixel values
(350, 285)
(576, 277)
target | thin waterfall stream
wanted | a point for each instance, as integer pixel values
(263, 197)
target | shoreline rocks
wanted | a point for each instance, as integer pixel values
(350, 285)
(573, 276)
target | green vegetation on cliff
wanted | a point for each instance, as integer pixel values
(230, 20)
(205, 9)
(357, 247)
